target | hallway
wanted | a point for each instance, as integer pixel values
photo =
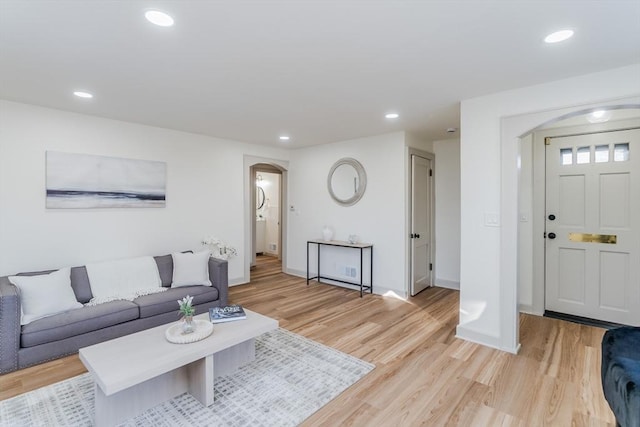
(266, 266)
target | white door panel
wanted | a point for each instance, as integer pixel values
(571, 275)
(592, 251)
(571, 201)
(420, 224)
(615, 192)
(614, 285)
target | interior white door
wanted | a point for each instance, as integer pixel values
(592, 248)
(420, 224)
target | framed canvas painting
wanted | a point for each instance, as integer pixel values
(77, 181)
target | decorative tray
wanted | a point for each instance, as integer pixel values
(203, 328)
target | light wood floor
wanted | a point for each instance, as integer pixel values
(266, 265)
(424, 375)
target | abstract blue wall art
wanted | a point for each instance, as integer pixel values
(76, 181)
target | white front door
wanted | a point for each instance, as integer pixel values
(592, 248)
(420, 224)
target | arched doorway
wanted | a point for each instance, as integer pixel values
(252, 167)
(267, 231)
(512, 130)
(568, 275)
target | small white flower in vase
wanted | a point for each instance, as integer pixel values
(219, 249)
(187, 311)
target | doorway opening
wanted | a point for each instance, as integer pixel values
(421, 221)
(266, 245)
(266, 266)
(576, 187)
(522, 255)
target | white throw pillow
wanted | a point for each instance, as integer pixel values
(123, 277)
(45, 295)
(191, 269)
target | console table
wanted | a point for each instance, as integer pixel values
(356, 246)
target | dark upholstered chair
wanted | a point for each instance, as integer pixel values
(621, 374)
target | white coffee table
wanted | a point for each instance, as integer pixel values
(139, 371)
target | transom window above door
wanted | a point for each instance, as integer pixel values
(595, 154)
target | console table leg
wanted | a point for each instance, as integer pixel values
(371, 272)
(307, 263)
(361, 273)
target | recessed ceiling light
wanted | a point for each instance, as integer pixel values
(558, 36)
(159, 18)
(284, 138)
(81, 94)
(392, 115)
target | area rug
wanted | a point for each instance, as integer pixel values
(291, 378)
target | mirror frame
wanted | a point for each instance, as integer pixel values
(362, 181)
(260, 197)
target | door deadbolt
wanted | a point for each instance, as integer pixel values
(552, 217)
(552, 236)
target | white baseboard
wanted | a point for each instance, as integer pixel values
(528, 309)
(238, 281)
(377, 290)
(481, 338)
(449, 284)
(477, 337)
(294, 272)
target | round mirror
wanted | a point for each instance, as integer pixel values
(347, 181)
(259, 198)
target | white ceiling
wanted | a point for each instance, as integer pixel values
(318, 70)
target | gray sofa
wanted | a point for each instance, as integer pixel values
(65, 333)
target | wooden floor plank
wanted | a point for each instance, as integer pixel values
(424, 375)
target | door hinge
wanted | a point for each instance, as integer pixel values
(430, 172)
(547, 140)
(430, 267)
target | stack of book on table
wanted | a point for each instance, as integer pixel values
(228, 313)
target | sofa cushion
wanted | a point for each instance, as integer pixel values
(620, 373)
(191, 269)
(79, 282)
(123, 276)
(76, 322)
(165, 268)
(165, 302)
(45, 295)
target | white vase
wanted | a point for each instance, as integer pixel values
(327, 233)
(188, 326)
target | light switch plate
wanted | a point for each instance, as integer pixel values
(491, 219)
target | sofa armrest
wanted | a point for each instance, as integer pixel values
(219, 276)
(9, 326)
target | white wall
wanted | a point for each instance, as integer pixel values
(525, 225)
(378, 218)
(447, 185)
(489, 185)
(414, 141)
(204, 191)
